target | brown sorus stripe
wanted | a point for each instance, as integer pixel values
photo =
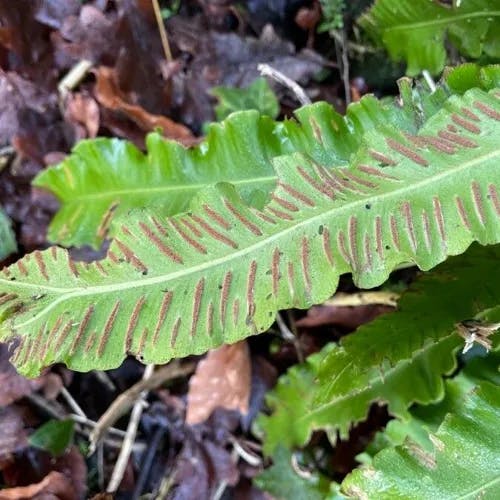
(103, 226)
(378, 236)
(441, 144)
(492, 190)
(63, 336)
(462, 212)
(327, 246)
(251, 288)
(214, 233)
(190, 241)
(318, 186)
(56, 327)
(108, 327)
(353, 236)
(159, 227)
(406, 210)
(236, 311)
(285, 204)
(81, 329)
(72, 267)
(275, 270)
(427, 230)
(134, 318)
(359, 180)
(41, 264)
(198, 294)
(164, 249)
(405, 151)
(90, 341)
(264, 217)
(7, 297)
(466, 124)
(216, 217)
(342, 248)
(210, 318)
(162, 314)
(131, 256)
(53, 252)
(394, 232)
(304, 260)
(191, 227)
(279, 213)
(113, 257)
(297, 194)
(470, 114)
(22, 268)
(438, 215)
(142, 340)
(487, 110)
(175, 332)
(368, 251)
(457, 139)
(224, 295)
(367, 169)
(377, 155)
(478, 201)
(126, 232)
(101, 269)
(244, 220)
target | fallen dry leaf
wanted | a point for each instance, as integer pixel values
(13, 436)
(12, 385)
(344, 316)
(82, 111)
(55, 486)
(222, 379)
(111, 96)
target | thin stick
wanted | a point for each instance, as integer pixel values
(74, 76)
(163, 31)
(266, 70)
(363, 299)
(428, 78)
(128, 442)
(126, 400)
(287, 334)
(72, 403)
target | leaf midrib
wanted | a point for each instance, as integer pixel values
(379, 377)
(75, 200)
(143, 282)
(437, 22)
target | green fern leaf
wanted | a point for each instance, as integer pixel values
(105, 178)
(398, 359)
(178, 286)
(415, 30)
(465, 461)
(7, 238)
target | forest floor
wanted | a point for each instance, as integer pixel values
(192, 442)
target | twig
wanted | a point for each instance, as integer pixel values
(163, 31)
(266, 70)
(248, 457)
(122, 461)
(52, 412)
(71, 402)
(103, 377)
(74, 76)
(343, 56)
(147, 461)
(363, 299)
(428, 78)
(126, 400)
(287, 334)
